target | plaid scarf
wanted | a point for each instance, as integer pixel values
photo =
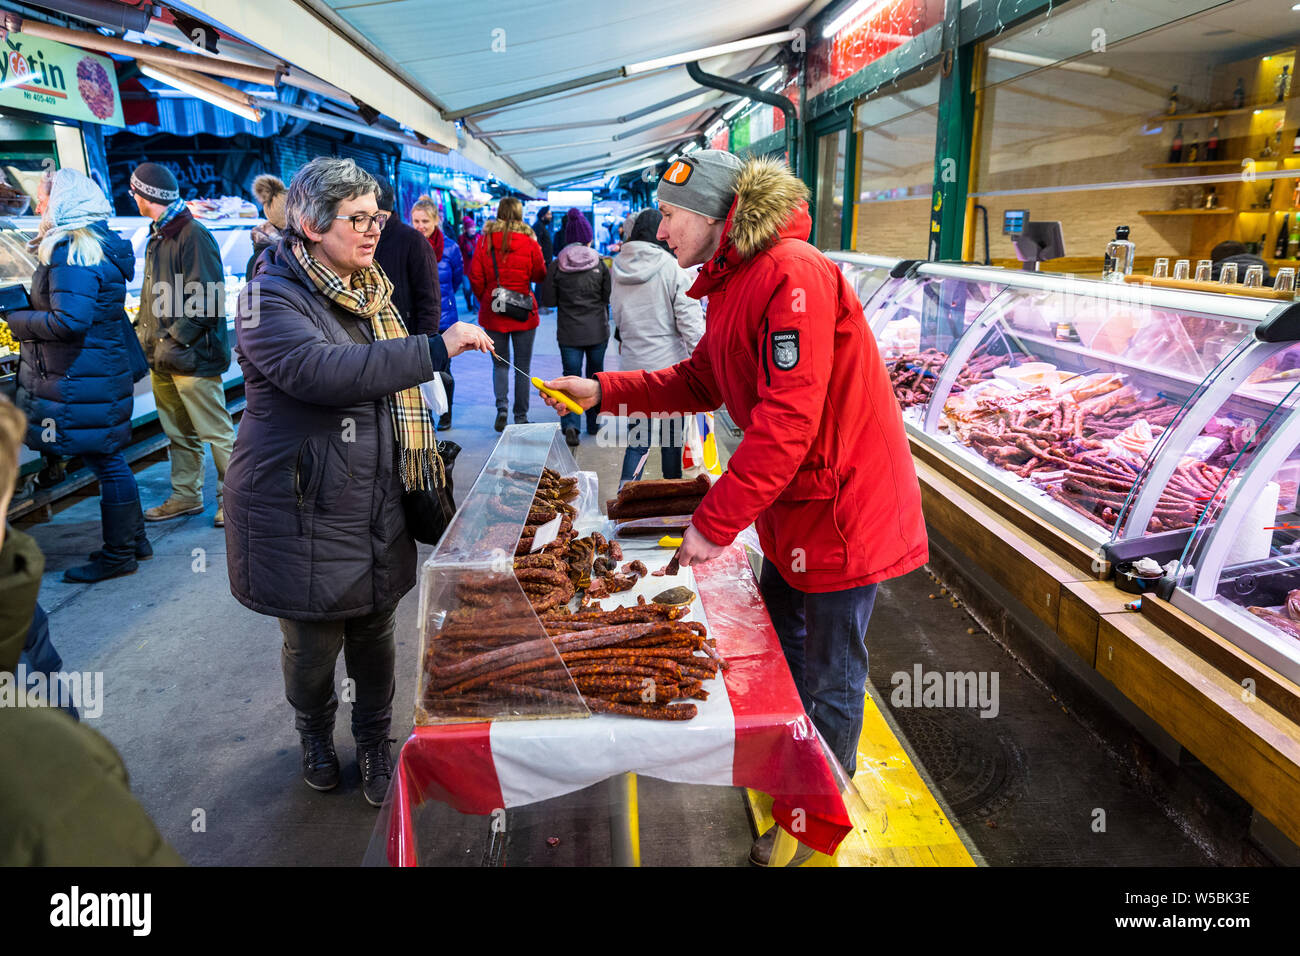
(368, 293)
(170, 213)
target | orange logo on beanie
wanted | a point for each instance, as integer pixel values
(678, 173)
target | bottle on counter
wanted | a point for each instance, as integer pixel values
(1118, 261)
(1176, 151)
(1239, 94)
(1212, 144)
(1172, 107)
(1281, 85)
(1283, 236)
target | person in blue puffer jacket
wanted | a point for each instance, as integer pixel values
(451, 274)
(77, 370)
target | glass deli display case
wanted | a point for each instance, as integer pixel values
(870, 275)
(1110, 410)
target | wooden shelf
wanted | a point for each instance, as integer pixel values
(1187, 212)
(1165, 117)
(1193, 286)
(1208, 162)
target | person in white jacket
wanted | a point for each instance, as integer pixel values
(658, 325)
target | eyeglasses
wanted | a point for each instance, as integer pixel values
(362, 223)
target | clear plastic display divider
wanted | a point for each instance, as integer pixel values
(479, 632)
(1240, 570)
(867, 274)
(1060, 390)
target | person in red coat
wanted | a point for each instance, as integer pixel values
(824, 469)
(508, 255)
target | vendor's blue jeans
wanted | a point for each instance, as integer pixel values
(116, 481)
(824, 640)
(670, 451)
(571, 357)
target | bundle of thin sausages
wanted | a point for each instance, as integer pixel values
(914, 376)
(639, 661)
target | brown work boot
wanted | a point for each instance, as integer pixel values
(761, 853)
(219, 520)
(173, 507)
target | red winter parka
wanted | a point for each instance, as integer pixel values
(520, 266)
(824, 468)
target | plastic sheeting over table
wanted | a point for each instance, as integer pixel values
(751, 732)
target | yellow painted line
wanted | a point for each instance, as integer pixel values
(897, 821)
(634, 818)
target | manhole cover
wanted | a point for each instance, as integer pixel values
(976, 769)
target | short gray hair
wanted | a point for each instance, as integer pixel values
(318, 188)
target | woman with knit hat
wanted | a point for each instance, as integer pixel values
(77, 371)
(578, 286)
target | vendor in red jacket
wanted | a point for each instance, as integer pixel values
(824, 469)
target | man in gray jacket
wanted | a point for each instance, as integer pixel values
(182, 327)
(657, 325)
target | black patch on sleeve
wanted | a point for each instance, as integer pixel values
(785, 349)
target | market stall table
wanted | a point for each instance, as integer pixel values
(752, 732)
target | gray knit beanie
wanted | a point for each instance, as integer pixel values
(155, 183)
(703, 182)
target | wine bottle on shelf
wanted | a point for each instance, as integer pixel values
(1212, 144)
(1176, 151)
(1268, 196)
(1281, 85)
(1193, 152)
(1294, 245)
(1239, 94)
(1283, 234)
(1259, 246)
(1295, 143)
(1172, 108)
(1267, 151)
(1295, 195)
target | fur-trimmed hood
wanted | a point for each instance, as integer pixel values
(768, 196)
(508, 225)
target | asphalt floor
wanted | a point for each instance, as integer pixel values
(194, 702)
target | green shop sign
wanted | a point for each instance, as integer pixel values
(48, 77)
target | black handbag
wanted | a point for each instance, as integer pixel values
(428, 510)
(506, 302)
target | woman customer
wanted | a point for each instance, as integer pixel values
(451, 273)
(270, 192)
(334, 432)
(80, 360)
(508, 256)
(426, 219)
(578, 287)
(657, 325)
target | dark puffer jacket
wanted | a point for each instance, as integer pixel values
(182, 320)
(578, 286)
(75, 367)
(314, 523)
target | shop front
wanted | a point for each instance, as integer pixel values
(1181, 125)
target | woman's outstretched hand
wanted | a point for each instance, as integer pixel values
(463, 337)
(584, 391)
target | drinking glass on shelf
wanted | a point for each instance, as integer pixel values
(1161, 269)
(1228, 274)
(1182, 269)
(1254, 277)
(1204, 269)
(1285, 281)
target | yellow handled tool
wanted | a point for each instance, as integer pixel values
(668, 541)
(537, 384)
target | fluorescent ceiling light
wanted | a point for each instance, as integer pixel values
(1029, 59)
(858, 10)
(705, 53)
(714, 130)
(231, 103)
(771, 81)
(691, 148)
(740, 105)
